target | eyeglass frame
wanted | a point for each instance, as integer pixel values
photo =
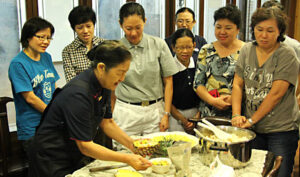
(181, 48)
(43, 38)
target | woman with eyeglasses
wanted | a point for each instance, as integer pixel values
(185, 100)
(185, 18)
(216, 64)
(33, 77)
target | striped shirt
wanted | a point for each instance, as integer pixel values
(75, 58)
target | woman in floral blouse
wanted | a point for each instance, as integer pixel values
(216, 64)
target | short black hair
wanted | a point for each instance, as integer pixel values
(183, 32)
(131, 8)
(109, 52)
(81, 14)
(31, 27)
(230, 12)
(273, 3)
(185, 9)
(262, 14)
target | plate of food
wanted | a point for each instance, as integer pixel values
(127, 173)
(167, 139)
(173, 136)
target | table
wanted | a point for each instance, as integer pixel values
(255, 168)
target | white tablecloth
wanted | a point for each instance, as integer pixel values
(254, 168)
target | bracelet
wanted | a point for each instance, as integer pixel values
(236, 115)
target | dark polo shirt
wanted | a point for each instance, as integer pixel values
(74, 114)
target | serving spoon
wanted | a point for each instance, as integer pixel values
(198, 133)
(218, 132)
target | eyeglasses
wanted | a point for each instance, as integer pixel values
(43, 38)
(181, 48)
(181, 21)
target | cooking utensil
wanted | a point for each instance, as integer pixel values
(234, 154)
(218, 132)
(221, 135)
(198, 133)
(108, 167)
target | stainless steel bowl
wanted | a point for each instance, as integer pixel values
(235, 154)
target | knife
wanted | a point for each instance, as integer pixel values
(108, 167)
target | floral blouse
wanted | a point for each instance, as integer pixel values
(216, 74)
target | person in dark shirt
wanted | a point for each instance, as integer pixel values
(185, 18)
(185, 100)
(65, 135)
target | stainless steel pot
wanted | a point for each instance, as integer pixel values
(235, 154)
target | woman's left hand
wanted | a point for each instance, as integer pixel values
(164, 123)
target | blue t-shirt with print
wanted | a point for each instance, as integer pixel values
(26, 74)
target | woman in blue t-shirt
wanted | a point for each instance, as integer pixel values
(32, 77)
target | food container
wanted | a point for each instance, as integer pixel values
(234, 154)
(161, 165)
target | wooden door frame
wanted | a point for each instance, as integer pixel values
(169, 17)
(86, 3)
(31, 8)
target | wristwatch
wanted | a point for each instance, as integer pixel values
(167, 113)
(250, 121)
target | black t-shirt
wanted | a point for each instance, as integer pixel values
(200, 41)
(69, 118)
